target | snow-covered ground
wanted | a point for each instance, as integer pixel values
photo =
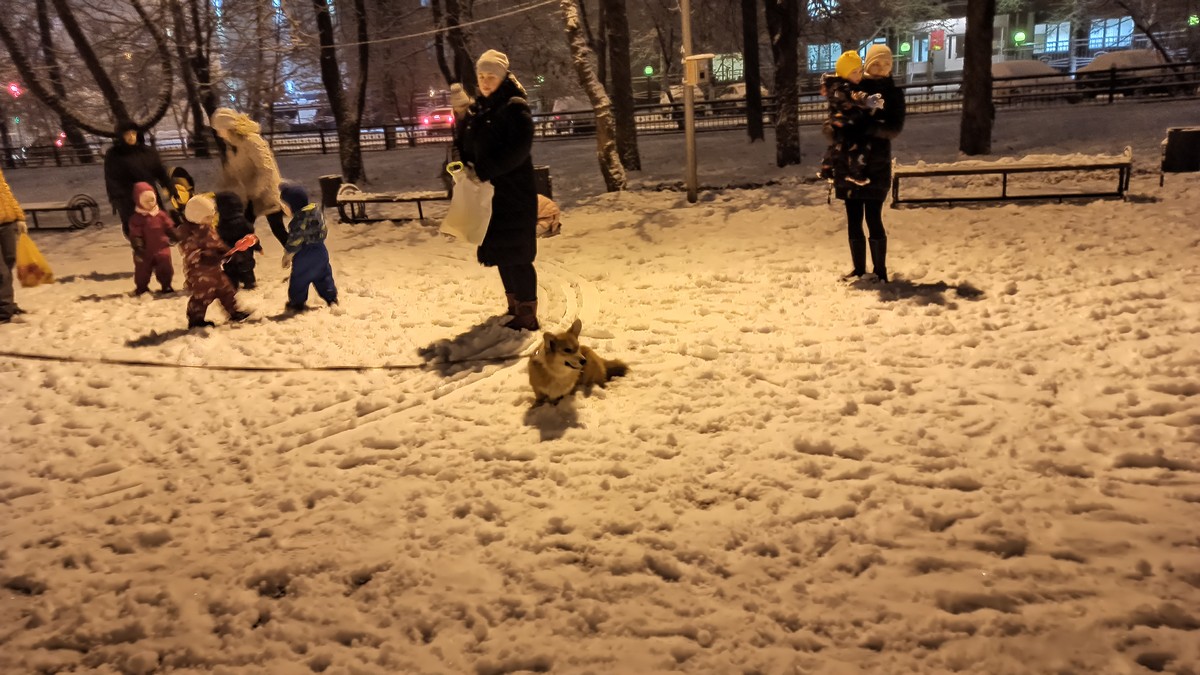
(991, 465)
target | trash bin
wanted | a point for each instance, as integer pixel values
(541, 179)
(1182, 149)
(329, 189)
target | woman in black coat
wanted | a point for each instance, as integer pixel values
(496, 137)
(867, 200)
(129, 162)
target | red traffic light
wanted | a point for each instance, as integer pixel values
(15, 89)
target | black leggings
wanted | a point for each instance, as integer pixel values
(873, 210)
(520, 280)
(275, 220)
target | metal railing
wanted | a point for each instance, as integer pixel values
(1033, 91)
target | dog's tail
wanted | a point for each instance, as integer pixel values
(615, 369)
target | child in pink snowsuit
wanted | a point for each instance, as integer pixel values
(151, 231)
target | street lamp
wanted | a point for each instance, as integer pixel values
(15, 89)
(1019, 38)
(649, 71)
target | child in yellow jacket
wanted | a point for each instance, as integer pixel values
(12, 225)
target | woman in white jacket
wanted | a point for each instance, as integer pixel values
(248, 168)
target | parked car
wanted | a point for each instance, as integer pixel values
(438, 119)
(1138, 71)
(572, 115)
(1014, 81)
(731, 99)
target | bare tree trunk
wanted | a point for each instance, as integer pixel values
(199, 138)
(598, 44)
(83, 151)
(606, 147)
(202, 33)
(460, 43)
(754, 106)
(108, 90)
(439, 48)
(347, 121)
(666, 45)
(6, 140)
(978, 112)
(617, 29)
(783, 24)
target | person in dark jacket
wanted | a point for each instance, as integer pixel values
(495, 137)
(867, 200)
(129, 162)
(232, 226)
(305, 251)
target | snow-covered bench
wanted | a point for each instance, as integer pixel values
(81, 210)
(352, 202)
(1122, 164)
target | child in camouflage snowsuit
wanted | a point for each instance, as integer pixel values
(305, 250)
(203, 253)
(850, 111)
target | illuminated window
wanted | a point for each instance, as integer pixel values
(821, 58)
(1108, 33)
(1052, 38)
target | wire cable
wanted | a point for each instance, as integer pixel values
(138, 363)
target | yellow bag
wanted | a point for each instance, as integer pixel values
(32, 268)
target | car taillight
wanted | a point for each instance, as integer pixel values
(426, 121)
(450, 119)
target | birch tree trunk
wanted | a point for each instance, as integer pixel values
(783, 25)
(978, 113)
(754, 114)
(606, 147)
(617, 28)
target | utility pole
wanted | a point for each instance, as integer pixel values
(689, 102)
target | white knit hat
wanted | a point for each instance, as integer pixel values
(493, 62)
(200, 209)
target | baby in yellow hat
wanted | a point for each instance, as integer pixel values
(850, 111)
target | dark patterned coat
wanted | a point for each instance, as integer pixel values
(496, 137)
(126, 165)
(885, 125)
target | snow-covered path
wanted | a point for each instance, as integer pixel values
(991, 466)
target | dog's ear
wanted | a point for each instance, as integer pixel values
(548, 339)
(575, 328)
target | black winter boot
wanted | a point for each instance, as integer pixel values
(525, 317)
(199, 323)
(858, 256)
(512, 304)
(879, 258)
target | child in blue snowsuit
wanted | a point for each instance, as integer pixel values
(305, 250)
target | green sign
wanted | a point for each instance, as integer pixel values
(649, 70)
(1194, 20)
(905, 48)
(1019, 37)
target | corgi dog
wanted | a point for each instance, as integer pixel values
(560, 364)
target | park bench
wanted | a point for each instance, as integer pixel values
(352, 202)
(1122, 164)
(81, 211)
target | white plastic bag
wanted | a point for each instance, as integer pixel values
(470, 206)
